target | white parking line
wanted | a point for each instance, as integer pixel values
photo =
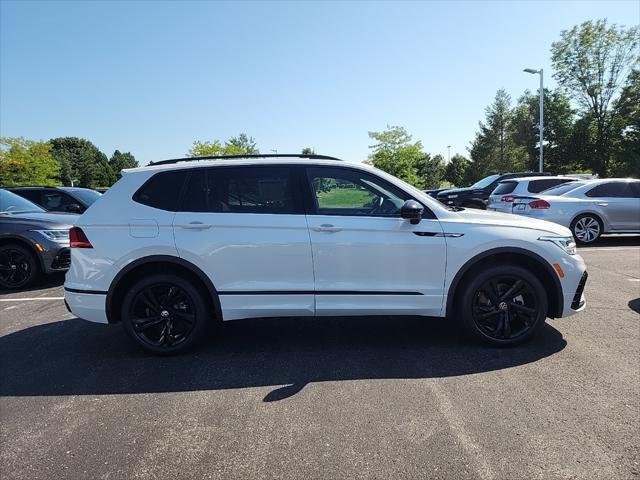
(634, 279)
(29, 299)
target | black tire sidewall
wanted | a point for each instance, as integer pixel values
(34, 266)
(202, 311)
(585, 215)
(470, 287)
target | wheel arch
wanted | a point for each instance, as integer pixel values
(517, 256)
(599, 216)
(158, 264)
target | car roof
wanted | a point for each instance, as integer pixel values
(244, 161)
(538, 177)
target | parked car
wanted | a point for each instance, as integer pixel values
(477, 195)
(588, 208)
(176, 247)
(434, 193)
(32, 241)
(501, 199)
(59, 199)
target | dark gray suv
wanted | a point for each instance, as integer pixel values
(32, 241)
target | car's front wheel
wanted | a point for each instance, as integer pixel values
(503, 305)
(18, 267)
(165, 314)
(586, 228)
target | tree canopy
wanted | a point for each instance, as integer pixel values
(240, 145)
(27, 162)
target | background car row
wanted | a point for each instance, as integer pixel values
(589, 207)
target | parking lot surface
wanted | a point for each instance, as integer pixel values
(327, 398)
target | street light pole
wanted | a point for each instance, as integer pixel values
(541, 126)
(448, 153)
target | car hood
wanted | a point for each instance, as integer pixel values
(485, 217)
(460, 190)
(43, 219)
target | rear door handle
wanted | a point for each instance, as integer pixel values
(196, 226)
(603, 204)
(327, 227)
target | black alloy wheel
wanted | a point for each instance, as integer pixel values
(18, 267)
(165, 314)
(504, 305)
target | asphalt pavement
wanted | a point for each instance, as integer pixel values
(327, 398)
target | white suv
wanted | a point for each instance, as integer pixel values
(179, 246)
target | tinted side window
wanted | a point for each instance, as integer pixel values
(56, 201)
(505, 187)
(162, 191)
(536, 186)
(33, 195)
(242, 190)
(611, 189)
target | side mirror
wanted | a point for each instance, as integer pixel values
(412, 210)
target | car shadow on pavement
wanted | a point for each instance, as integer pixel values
(74, 357)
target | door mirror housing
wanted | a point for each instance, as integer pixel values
(74, 208)
(412, 210)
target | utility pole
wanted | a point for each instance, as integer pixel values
(541, 126)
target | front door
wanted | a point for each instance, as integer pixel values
(245, 227)
(368, 260)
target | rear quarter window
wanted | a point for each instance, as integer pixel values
(162, 191)
(505, 187)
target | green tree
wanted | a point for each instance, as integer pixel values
(431, 170)
(397, 154)
(591, 61)
(27, 162)
(308, 151)
(559, 156)
(456, 169)
(81, 162)
(626, 152)
(240, 145)
(121, 160)
(494, 149)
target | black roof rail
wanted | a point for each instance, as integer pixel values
(253, 155)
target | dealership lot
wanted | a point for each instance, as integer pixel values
(331, 398)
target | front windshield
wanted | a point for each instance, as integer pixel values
(11, 203)
(87, 195)
(563, 188)
(485, 182)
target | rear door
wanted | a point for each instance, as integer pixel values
(617, 203)
(368, 260)
(245, 227)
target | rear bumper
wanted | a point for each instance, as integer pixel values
(87, 305)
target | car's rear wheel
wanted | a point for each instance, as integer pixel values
(503, 305)
(586, 228)
(165, 314)
(18, 267)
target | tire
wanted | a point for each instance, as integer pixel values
(586, 228)
(502, 305)
(19, 267)
(174, 310)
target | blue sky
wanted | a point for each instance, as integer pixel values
(151, 77)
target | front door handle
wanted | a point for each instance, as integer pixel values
(602, 204)
(196, 226)
(327, 227)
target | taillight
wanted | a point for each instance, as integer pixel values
(507, 199)
(539, 204)
(78, 239)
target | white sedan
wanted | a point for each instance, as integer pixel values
(588, 208)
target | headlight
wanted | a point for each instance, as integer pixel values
(565, 243)
(58, 236)
(452, 196)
